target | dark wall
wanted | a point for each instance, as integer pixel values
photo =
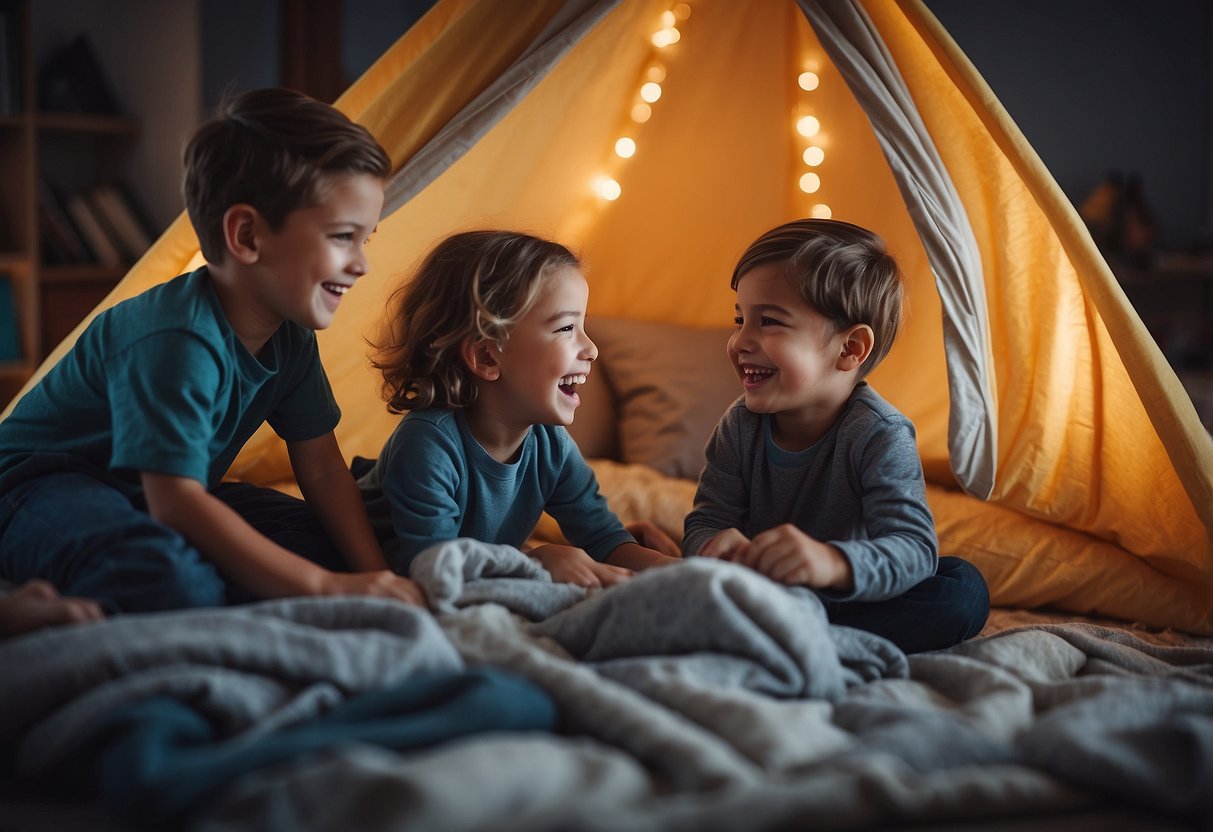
(1097, 85)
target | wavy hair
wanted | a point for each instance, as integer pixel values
(475, 284)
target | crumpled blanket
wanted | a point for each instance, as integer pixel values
(1085, 724)
(153, 713)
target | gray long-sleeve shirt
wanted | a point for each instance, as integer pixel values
(860, 488)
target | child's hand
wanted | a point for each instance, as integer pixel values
(729, 544)
(570, 565)
(789, 556)
(651, 537)
(382, 584)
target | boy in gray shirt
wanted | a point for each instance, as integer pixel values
(812, 478)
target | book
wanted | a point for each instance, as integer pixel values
(61, 240)
(94, 233)
(128, 232)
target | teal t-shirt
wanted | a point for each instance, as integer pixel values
(433, 482)
(161, 383)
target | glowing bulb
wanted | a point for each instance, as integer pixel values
(655, 73)
(625, 148)
(808, 81)
(682, 11)
(664, 37)
(808, 126)
(821, 211)
(668, 20)
(651, 91)
(641, 113)
(814, 155)
(810, 182)
(607, 188)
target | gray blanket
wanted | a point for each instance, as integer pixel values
(699, 696)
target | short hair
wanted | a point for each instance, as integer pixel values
(473, 284)
(842, 271)
(272, 149)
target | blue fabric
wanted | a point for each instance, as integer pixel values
(943, 610)
(433, 482)
(66, 522)
(154, 762)
(160, 382)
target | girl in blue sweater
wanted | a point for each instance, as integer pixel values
(487, 347)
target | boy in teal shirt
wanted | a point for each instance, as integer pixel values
(111, 467)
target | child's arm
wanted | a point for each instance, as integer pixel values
(568, 564)
(329, 488)
(722, 497)
(637, 558)
(789, 556)
(250, 559)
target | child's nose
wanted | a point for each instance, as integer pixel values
(589, 350)
(359, 265)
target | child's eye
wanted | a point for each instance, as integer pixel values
(345, 236)
(739, 321)
(765, 321)
(568, 328)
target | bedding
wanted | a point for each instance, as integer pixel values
(700, 696)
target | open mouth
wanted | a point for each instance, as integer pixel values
(568, 384)
(336, 289)
(754, 376)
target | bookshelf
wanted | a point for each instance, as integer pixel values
(50, 274)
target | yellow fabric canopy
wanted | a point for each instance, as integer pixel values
(1102, 485)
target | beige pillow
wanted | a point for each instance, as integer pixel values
(672, 384)
(594, 423)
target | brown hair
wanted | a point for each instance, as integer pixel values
(473, 284)
(271, 149)
(842, 271)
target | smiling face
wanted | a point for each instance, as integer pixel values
(303, 269)
(787, 356)
(545, 357)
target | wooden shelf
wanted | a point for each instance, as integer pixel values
(82, 273)
(87, 123)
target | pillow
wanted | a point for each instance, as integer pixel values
(593, 427)
(672, 384)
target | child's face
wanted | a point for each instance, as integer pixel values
(785, 353)
(308, 264)
(546, 356)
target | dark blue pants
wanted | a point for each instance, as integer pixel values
(941, 611)
(72, 526)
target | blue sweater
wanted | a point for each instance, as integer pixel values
(860, 488)
(433, 482)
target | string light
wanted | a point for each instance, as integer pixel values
(607, 187)
(813, 155)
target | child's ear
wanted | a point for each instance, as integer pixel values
(857, 343)
(240, 233)
(480, 357)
